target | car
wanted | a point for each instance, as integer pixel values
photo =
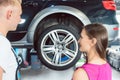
(52, 28)
(117, 4)
(118, 13)
(113, 56)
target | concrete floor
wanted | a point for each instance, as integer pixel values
(115, 74)
(48, 74)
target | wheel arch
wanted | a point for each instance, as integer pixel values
(52, 10)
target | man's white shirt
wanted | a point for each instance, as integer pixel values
(7, 59)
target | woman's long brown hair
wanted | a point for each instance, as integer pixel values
(99, 32)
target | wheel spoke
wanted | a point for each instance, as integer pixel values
(54, 36)
(69, 53)
(68, 39)
(69, 42)
(48, 48)
(56, 59)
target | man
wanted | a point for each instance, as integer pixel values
(10, 12)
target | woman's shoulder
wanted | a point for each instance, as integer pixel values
(80, 74)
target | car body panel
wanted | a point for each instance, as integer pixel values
(85, 10)
(56, 9)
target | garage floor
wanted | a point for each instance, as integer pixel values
(48, 74)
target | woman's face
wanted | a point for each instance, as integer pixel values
(84, 42)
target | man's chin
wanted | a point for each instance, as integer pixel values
(82, 51)
(13, 29)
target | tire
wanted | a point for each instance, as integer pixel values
(58, 48)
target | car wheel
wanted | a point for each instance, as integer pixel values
(58, 47)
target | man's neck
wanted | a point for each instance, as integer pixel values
(2, 32)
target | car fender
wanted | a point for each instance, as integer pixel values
(51, 10)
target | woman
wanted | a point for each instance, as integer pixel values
(93, 42)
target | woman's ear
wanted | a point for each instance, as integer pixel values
(94, 41)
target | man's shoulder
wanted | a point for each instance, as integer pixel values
(4, 41)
